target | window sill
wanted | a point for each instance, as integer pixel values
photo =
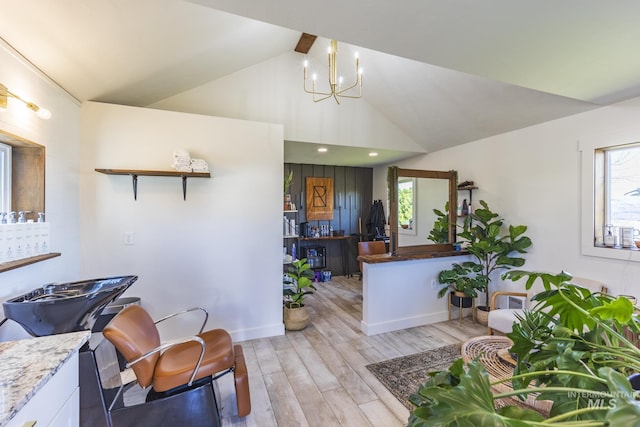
(624, 254)
(6, 266)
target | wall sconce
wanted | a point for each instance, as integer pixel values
(5, 94)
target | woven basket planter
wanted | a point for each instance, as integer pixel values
(296, 318)
(482, 316)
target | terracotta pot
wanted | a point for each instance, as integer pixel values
(482, 316)
(296, 318)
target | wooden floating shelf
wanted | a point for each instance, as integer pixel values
(135, 173)
(10, 265)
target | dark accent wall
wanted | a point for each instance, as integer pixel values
(352, 199)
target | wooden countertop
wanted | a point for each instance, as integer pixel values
(378, 259)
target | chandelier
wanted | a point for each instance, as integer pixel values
(336, 89)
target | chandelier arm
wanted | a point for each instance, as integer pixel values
(347, 89)
(317, 93)
(329, 95)
(313, 91)
(359, 95)
(356, 83)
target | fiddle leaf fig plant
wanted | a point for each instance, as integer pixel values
(298, 283)
(440, 231)
(493, 245)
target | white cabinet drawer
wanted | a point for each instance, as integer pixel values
(53, 399)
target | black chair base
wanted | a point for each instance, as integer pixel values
(102, 403)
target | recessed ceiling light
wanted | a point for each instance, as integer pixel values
(322, 150)
(373, 154)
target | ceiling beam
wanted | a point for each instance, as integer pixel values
(305, 43)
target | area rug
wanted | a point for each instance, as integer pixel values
(403, 376)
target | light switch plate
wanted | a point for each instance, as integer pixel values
(129, 238)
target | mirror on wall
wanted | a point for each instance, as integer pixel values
(413, 196)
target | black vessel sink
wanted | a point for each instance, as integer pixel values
(59, 308)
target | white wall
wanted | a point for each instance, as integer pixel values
(532, 177)
(264, 92)
(60, 137)
(221, 249)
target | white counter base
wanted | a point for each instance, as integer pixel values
(403, 294)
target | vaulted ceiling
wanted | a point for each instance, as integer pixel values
(445, 72)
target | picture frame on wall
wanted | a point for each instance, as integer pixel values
(319, 200)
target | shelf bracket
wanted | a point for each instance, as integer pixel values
(184, 187)
(134, 178)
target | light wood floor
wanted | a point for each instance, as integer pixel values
(317, 376)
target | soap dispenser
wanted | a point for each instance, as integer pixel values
(36, 232)
(20, 236)
(9, 237)
(41, 235)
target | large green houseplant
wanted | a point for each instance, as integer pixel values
(298, 283)
(440, 231)
(570, 349)
(494, 247)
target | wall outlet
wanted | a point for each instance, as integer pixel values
(129, 238)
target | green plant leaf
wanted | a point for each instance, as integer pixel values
(626, 410)
(619, 309)
(469, 403)
(298, 282)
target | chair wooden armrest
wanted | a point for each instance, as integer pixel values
(169, 344)
(496, 294)
(189, 310)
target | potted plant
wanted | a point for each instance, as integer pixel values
(288, 179)
(298, 283)
(440, 231)
(493, 247)
(570, 349)
(462, 282)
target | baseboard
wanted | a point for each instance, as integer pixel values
(255, 333)
(404, 323)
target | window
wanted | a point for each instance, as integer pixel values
(406, 205)
(5, 178)
(611, 196)
(622, 186)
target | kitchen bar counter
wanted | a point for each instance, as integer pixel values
(27, 365)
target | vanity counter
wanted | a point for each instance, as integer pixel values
(29, 364)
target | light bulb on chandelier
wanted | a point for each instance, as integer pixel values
(336, 91)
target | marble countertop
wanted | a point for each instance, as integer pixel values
(26, 365)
